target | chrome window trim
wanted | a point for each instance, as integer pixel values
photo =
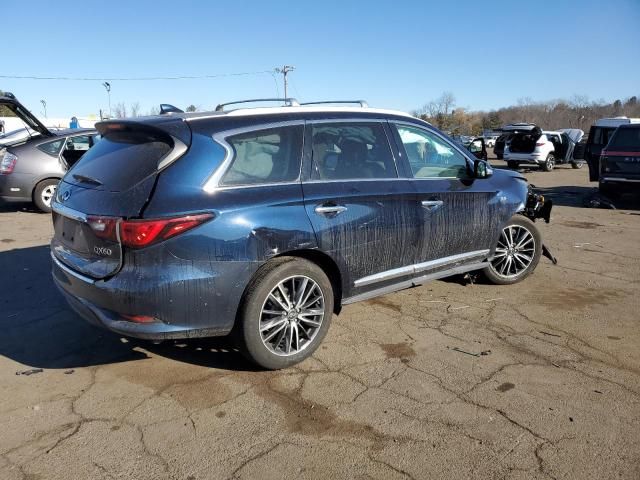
(418, 268)
(212, 183)
(620, 179)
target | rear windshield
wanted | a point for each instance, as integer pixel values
(625, 138)
(119, 161)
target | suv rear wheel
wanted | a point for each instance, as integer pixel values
(517, 254)
(44, 192)
(286, 313)
(549, 163)
(577, 164)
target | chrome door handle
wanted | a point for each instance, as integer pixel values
(431, 205)
(329, 209)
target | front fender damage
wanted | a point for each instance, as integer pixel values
(539, 207)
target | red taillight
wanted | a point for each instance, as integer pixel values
(540, 144)
(141, 233)
(7, 163)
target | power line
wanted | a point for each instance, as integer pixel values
(134, 79)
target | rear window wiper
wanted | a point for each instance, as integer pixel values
(85, 179)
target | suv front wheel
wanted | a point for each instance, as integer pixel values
(286, 312)
(517, 254)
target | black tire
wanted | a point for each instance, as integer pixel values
(492, 272)
(577, 165)
(44, 190)
(257, 296)
(550, 163)
(512, 164)
(607, 190)
(499, 156)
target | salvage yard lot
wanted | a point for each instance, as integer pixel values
(536, 380)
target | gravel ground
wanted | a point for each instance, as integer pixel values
(447, 380)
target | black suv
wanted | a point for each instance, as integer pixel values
(620, 161)
(265, 222)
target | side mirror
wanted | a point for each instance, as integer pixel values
(481, 169)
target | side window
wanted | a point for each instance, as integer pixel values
(52, 148)
(265, 156)
(475, 146)
(349, 151)
(430, 156)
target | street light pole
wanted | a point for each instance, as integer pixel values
(284, 70)
(107, 87)
(44, 105)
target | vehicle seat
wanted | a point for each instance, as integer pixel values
(352, 161)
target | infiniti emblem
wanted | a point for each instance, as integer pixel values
(65, 196)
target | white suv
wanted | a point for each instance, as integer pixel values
(529, 144)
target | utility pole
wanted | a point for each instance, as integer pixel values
(107, 87)
(44, 105)
(284, 70)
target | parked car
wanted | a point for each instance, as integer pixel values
(490, 141)
(264, 222)
(529, 144)
(31, 167)
(498, 147)
(619, 161)
(599, 135)
(475, 145)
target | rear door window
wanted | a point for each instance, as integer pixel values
(601, 135)
(265, 156)
(120, 160)
(350, 151)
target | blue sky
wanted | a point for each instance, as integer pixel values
(394, 54)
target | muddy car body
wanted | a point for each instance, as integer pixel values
(255, 220)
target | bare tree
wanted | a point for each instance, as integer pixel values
(120, 110)
(135, 109)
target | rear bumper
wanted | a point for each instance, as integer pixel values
(535, 159)
(16, 186)
(187, 300)
(627, 179)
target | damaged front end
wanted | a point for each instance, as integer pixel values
(539, 207)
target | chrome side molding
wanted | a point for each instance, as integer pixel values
(419, 267)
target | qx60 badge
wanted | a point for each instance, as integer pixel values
(102, 251)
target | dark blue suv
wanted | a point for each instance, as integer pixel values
(264, 222)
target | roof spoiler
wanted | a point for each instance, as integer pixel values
(168, 108)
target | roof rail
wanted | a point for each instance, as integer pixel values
(290, 102)
(362, 103)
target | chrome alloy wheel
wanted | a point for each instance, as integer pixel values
(514, 253)
(47, 194)
(291, 315)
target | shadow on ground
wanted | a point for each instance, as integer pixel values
(39, 330)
